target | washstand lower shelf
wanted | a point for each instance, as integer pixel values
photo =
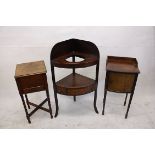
(75, 84)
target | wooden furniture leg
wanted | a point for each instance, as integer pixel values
(105, 91)
(131, 96)
(104, 100)
(56, 102)
(95, 93)
(27, 101)
(74, 97)
(26, 111)
(55, 92)
(125, 99)
(49, 103)
(95, 98)
(73, 58)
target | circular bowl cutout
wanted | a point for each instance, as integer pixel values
(77, 59)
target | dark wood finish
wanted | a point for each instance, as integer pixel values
(55, 91)
(73, 58)
(89, 60)
(125, 99)
(121, 77)
(74, 84)
(131, 96)
(27, 101)
(31, 77)
(74, 97)
(32, 83)
(122, 64)
(42, 108)
(124, 82)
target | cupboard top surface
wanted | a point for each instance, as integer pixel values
(122, 64)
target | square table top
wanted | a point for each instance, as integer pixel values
(30, 68)
(122, 64)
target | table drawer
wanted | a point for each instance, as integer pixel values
(32, 83)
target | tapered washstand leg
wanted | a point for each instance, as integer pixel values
(131, 96)
(74, 97)
(104, 100)
(95, 98)
(27, 115)
(55, 92)
(125, 99)
(56, 103)
(27, 101)
(49, 103)
(73, 58)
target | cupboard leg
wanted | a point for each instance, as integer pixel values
(126, 115)
(74, 97)
(125, 99)
(104, 100)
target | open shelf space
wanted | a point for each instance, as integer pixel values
(75, 84)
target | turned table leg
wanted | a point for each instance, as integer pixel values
(27, 101)
(26, 111)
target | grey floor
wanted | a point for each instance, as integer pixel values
(80, 114)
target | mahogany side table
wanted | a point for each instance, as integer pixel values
(121, 77)
(74, 84)
(31, 78)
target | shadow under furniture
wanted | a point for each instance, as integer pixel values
(74, 84)
(30, 78)
(121, 77)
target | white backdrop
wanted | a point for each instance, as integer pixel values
(25, 44)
